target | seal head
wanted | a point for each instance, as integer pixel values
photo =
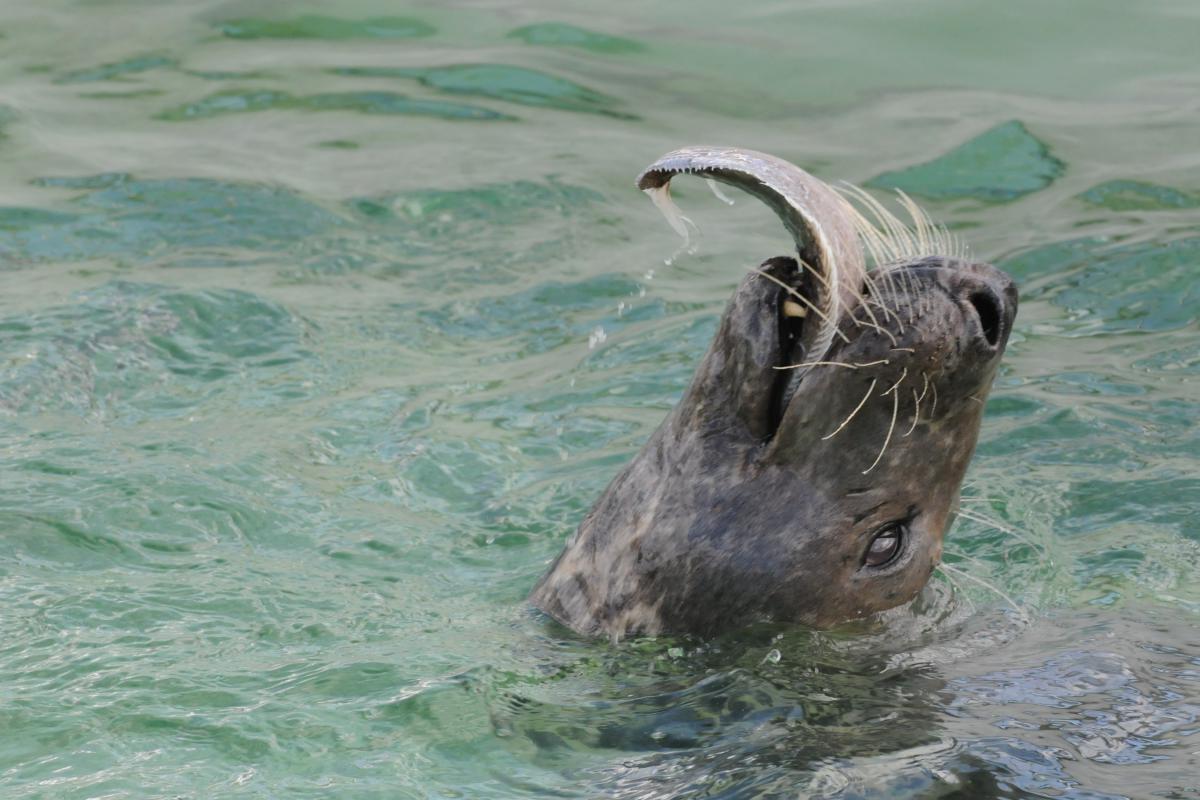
(810, 471)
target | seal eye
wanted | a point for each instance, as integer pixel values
(884, 546)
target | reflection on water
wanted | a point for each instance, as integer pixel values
(231, 102)
(999, 165)
(562, 35)
(500, 82)
(1127, 195)
(296, 406)
(108, 72)
(316, 26)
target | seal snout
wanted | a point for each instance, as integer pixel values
(989, 301)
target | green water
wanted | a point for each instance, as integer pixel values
(321, 326)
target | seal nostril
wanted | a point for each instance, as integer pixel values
(988, 309)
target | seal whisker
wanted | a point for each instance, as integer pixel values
(879, 300)
(877, 243)
(903, 375)
(890, 294)
(802, 299)
(961, 591)
(854, 293)
(869, 282)
(936, 238)
(862, 301)
(816, 272)
(888, 298)
(891, 276)
(897, 243)
(882, 306)
(922, 225)
(916, 413)
(891, 427)
(874, 240)
(876, 298)
(922, 309)
(891, 242)
(853, 413)
(833, 364)
(877, 327)
(1020, 611)
(975, 516)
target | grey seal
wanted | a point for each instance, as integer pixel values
(811, 469)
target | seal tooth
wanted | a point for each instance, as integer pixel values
(793, 309)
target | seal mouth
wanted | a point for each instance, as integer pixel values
(921, 339)
(870, 304)
(791, 319)
(791, 308)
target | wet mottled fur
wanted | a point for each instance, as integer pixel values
(759, 494)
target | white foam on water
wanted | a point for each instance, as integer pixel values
(597, 338)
